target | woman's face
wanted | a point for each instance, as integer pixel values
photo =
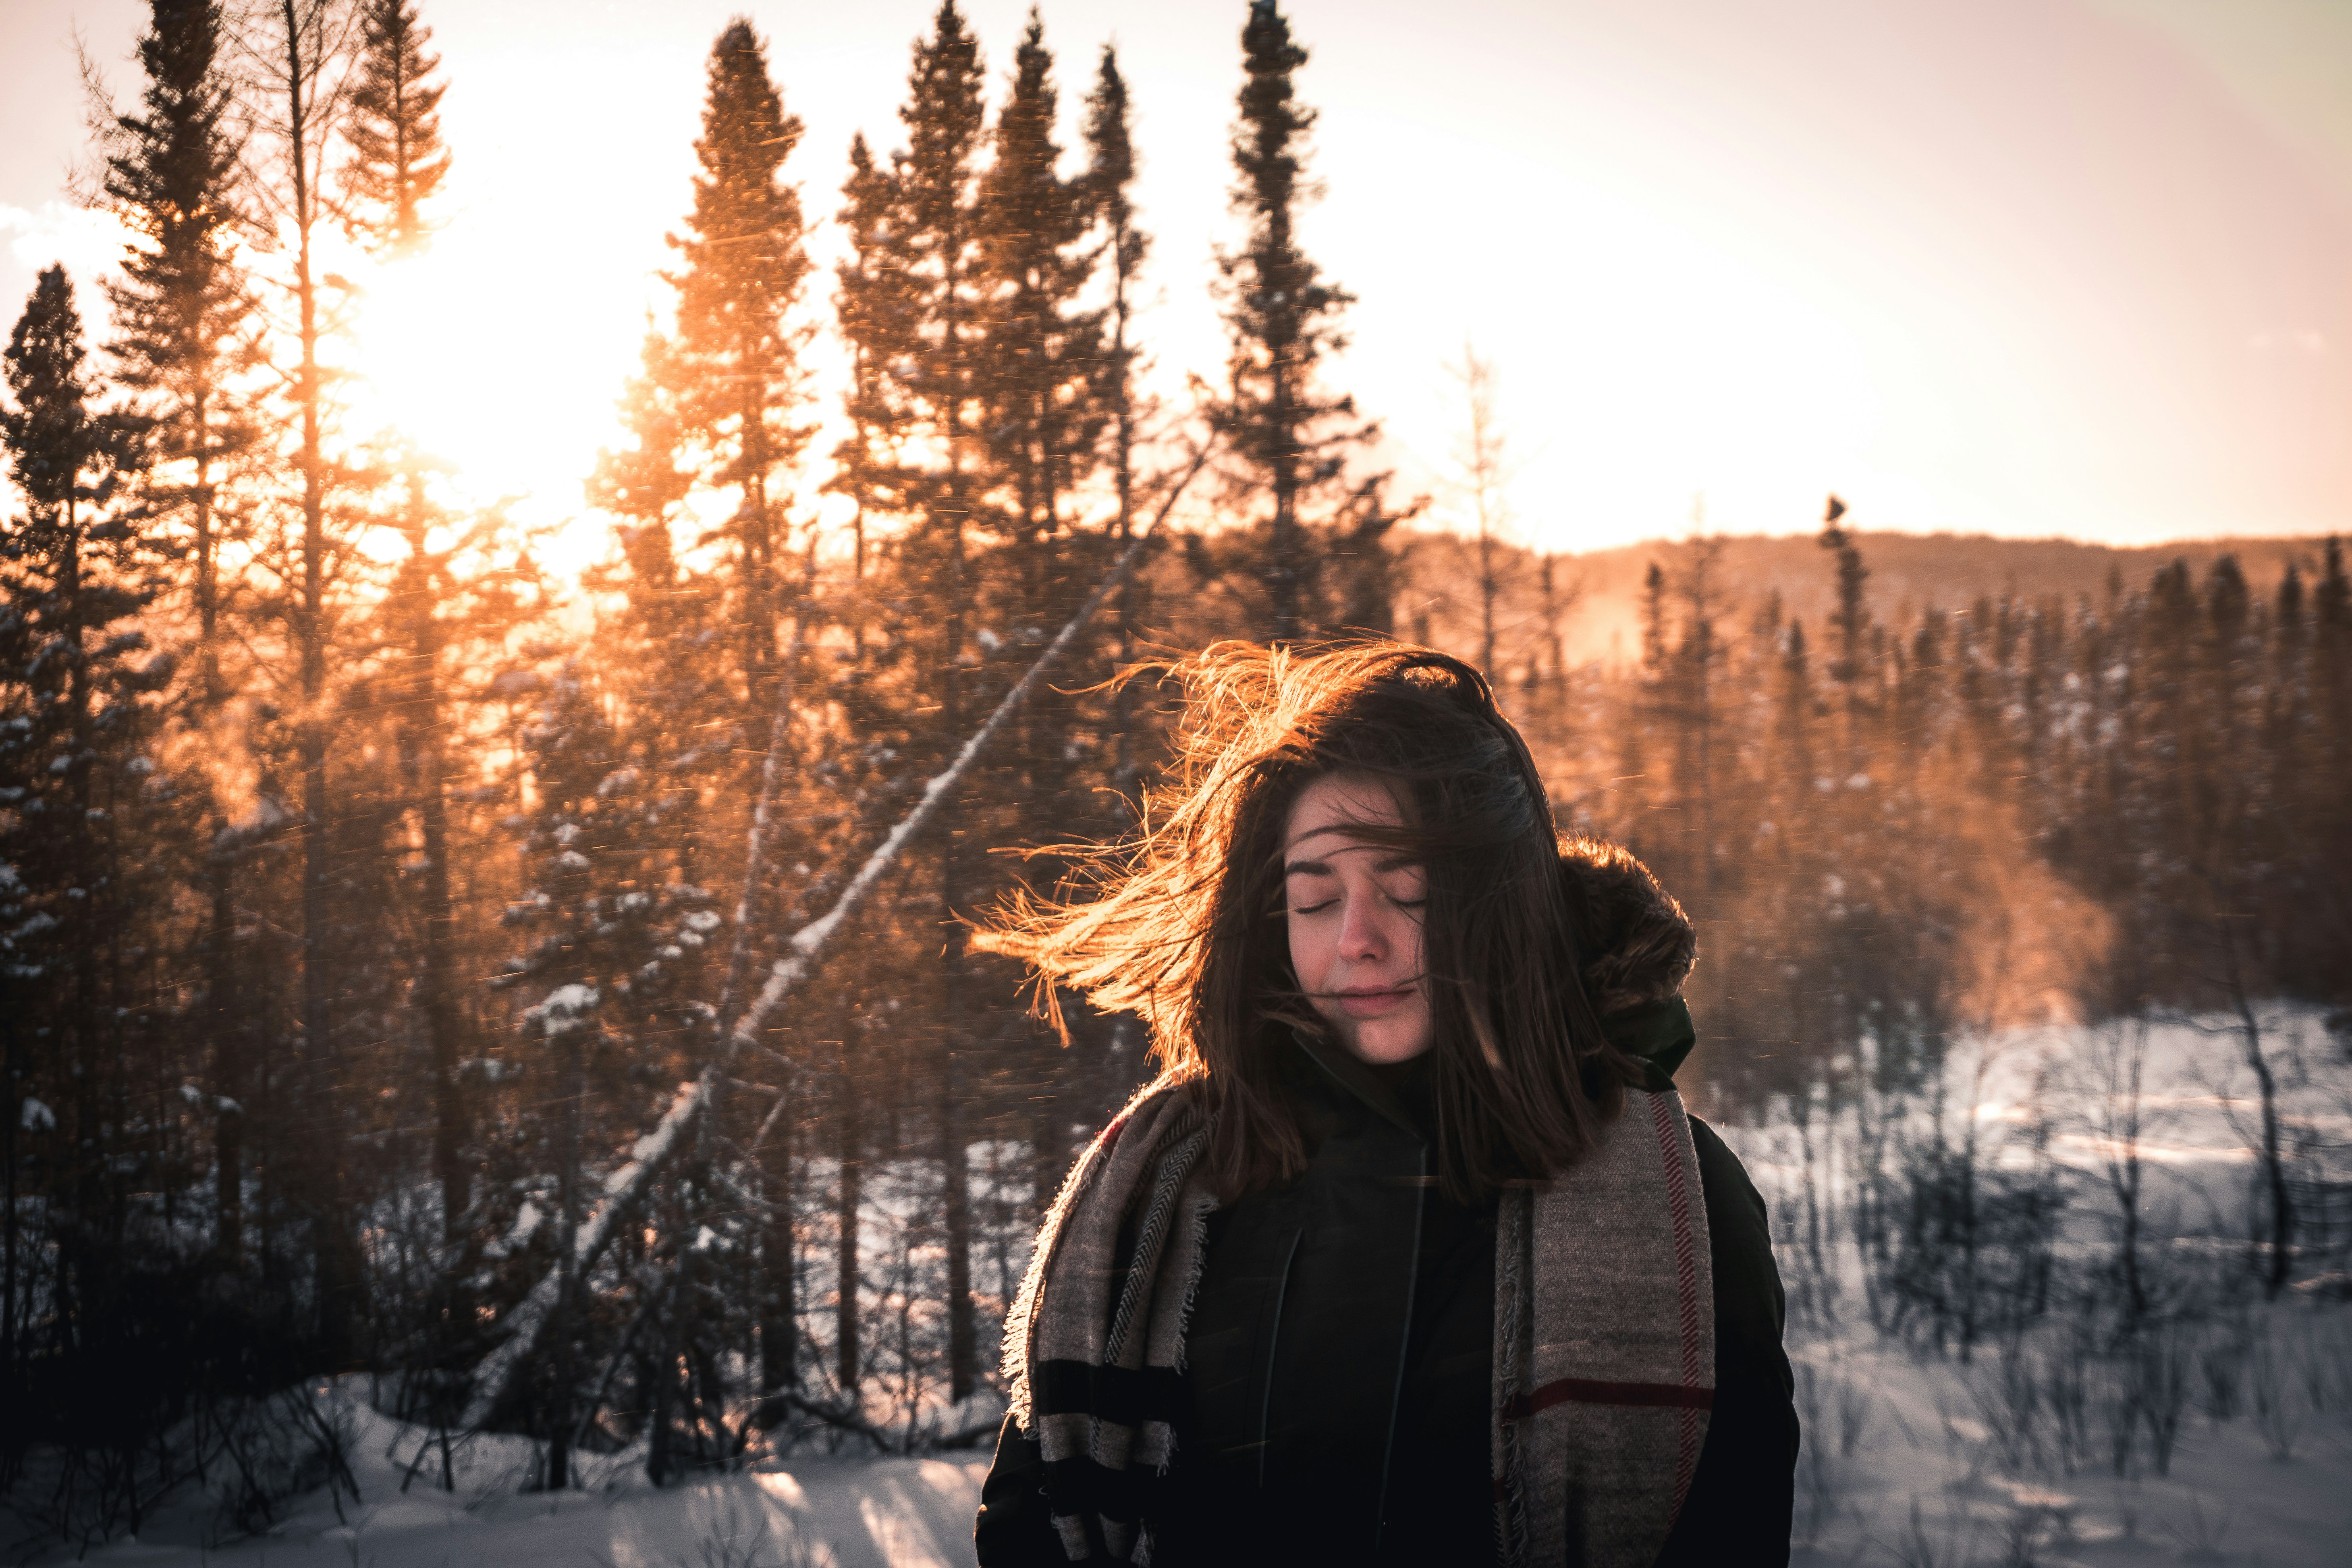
(1354, 914)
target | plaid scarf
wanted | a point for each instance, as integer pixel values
(1093, 1347)
(1604, 1337)
(1604, 1346)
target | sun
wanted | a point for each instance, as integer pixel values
(504, 380)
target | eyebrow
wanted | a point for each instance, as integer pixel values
(1321, 868)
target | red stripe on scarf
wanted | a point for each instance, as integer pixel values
(1686, 1267)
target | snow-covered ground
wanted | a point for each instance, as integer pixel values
(850, 1512)
(2222, 1437)
(2042, 1447)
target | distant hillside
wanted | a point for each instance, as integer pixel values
(1908, 572)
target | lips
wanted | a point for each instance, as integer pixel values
(1364, 1004)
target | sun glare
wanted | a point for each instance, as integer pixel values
(506, 383)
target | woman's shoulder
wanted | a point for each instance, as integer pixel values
(1725, 1179)
(1740, 1238)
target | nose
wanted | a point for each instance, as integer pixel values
(1363, 933)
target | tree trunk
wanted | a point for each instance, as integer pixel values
(444, 1020)
(223, 1011)
(848, 1352)
(12, 1111)
(1282, 438)
(963, 1347)
(335, 1263)
(570, 1062)
(778, 1264)
(2282, 1201)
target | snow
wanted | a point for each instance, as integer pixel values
(1916, 1459)
(844, 1511)
(567, 1008)
(35, 1117)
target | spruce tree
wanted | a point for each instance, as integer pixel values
(737, 359)
(1289, 437)
(1039, 415)
(398, 161)
(1111, 180)
(78, 784)
(933, 242)
(2331, 683)
(1041, 418)
(188, 343)
(874, 307)
(1852, 623)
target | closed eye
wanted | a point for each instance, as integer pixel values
(1313, 908)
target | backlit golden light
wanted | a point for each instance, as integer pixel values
(2080, 287)
(506, 391)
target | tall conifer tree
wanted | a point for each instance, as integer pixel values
(398, 161)
(1292, 438)
(1040, 415)
(934, 244)
(873, 305)
(737, 359)
(1111, 180)
(75, 778)
(188, 344)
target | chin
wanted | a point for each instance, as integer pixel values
(1386, 1048)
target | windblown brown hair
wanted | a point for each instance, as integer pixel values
(1182, 923)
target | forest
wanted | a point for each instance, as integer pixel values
(552, 993)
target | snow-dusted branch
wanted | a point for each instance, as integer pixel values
(808, 943)
(622, 1189)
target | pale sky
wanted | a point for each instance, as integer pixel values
(2024, 267)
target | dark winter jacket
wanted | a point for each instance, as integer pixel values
(1340, 1356)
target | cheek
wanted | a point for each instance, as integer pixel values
(1306, 958)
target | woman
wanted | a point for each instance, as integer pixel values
(1412, 1254)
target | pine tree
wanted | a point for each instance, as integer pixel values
(1290, 438)
(398, 162)
(2331, 684)
(78, 785)
(737, 361)
(1694, 703)
(874, 305)
(933, 241)
(188, 341)
(1039, 415)
(1041, 418)
(1852, 623)
(1111, 178)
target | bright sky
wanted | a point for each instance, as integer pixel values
(2027, 267)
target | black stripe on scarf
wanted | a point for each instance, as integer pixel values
(1127, 1396)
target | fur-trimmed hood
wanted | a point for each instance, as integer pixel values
(1636, 944)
